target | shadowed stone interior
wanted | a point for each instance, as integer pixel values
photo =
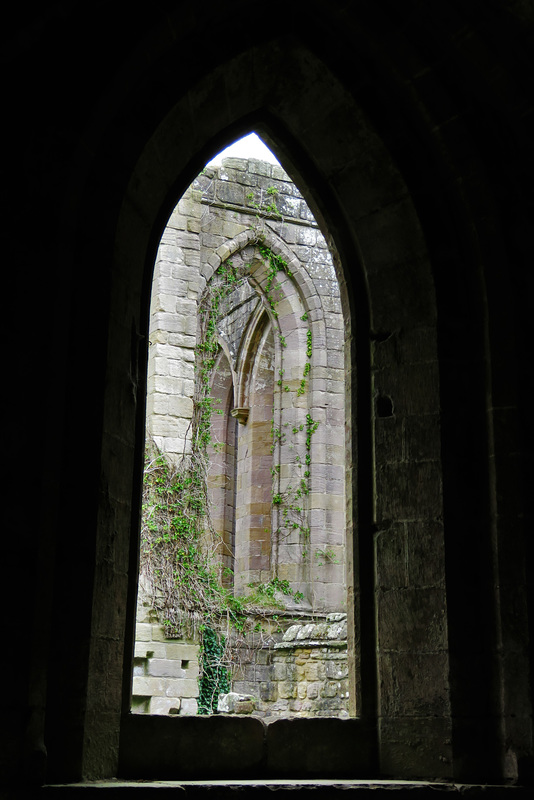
(408, 128)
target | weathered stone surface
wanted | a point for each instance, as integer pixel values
(165, 705)
(318, 746)
(416, 746)
(412, 619)
(188, 706)
(415, 684)
(235, 703)
(229, 745)
(165, 667)
(210, 226)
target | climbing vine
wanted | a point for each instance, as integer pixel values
(290, 502)
(214, 679)
(180, 550)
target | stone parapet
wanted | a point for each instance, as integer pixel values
(305, 674)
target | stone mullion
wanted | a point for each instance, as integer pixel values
(221, 458)
(276, 447)
(327, 486)
(292, 565)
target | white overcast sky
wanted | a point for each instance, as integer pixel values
(250, 146)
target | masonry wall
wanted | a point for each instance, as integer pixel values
(300, 672)
(296, 668)
(395, 118)
(165, 673)
(281, 366)
(219, 217)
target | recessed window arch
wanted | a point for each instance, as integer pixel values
(275, 487)
(222, 463)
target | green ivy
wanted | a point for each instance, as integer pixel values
(214, 679)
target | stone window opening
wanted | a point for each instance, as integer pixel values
(276, 477)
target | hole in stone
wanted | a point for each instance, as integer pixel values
(384, 406)
(140, 704)
(243, 554)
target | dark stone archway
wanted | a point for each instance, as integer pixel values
(410, 131)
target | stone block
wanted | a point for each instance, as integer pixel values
(409, 491)
(415, 684)
(389, 436)
(245, 706)
(315, 671)
(164, 746)
(187, 239)
(313, 690)
(143, 632)
(305, 632)
(148, 687)
(140, 705)
(139, 666)
(181, 687)
(193, 226)
(165, 705)
(166, 668)
(390, 547)
(268, 692)
(264, 656)
(336, 670)
(233, 194)
(192, 259)
(159, 633)
(326, 748)
(287, 690)
(181, 407)
(188, 707)
(191, 669)
(422, 538)
(330, 689)
(262, 673)
(174, 445)
(291, 633)
(412, 620)
(278, 173)
(422, 437)
(337, 630)
(158, 404)
(289, 206)
(280, 671)
(179, 368)
(238, 164)
(235, 703)
(414, 747)
(146, 650)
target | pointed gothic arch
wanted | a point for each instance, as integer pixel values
(222, 462)
(387, 117)
(276, 460)
(315, 565)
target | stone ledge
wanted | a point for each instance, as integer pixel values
(322, 788)
(302, 643)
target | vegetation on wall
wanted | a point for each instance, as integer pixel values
(213, 672)
(180, 550)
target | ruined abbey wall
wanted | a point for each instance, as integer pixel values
(219, 218)
(277, 476)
